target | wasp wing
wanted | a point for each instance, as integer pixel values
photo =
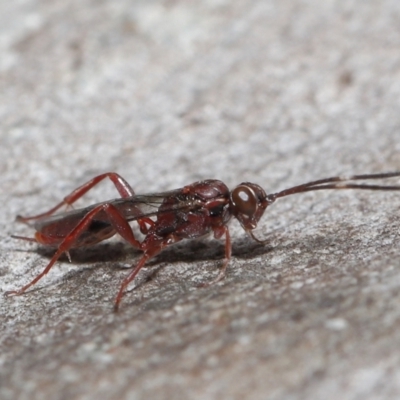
(132, 208)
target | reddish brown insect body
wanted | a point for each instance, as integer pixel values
(166, 218)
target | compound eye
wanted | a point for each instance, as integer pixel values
(244, 200)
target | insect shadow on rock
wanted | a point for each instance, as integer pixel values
(167, 217)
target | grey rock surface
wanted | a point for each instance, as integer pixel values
(169, 92)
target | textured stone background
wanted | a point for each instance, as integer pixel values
(169, 92)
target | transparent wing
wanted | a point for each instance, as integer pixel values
(132, 208)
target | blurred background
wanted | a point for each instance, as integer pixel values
(169, 92)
